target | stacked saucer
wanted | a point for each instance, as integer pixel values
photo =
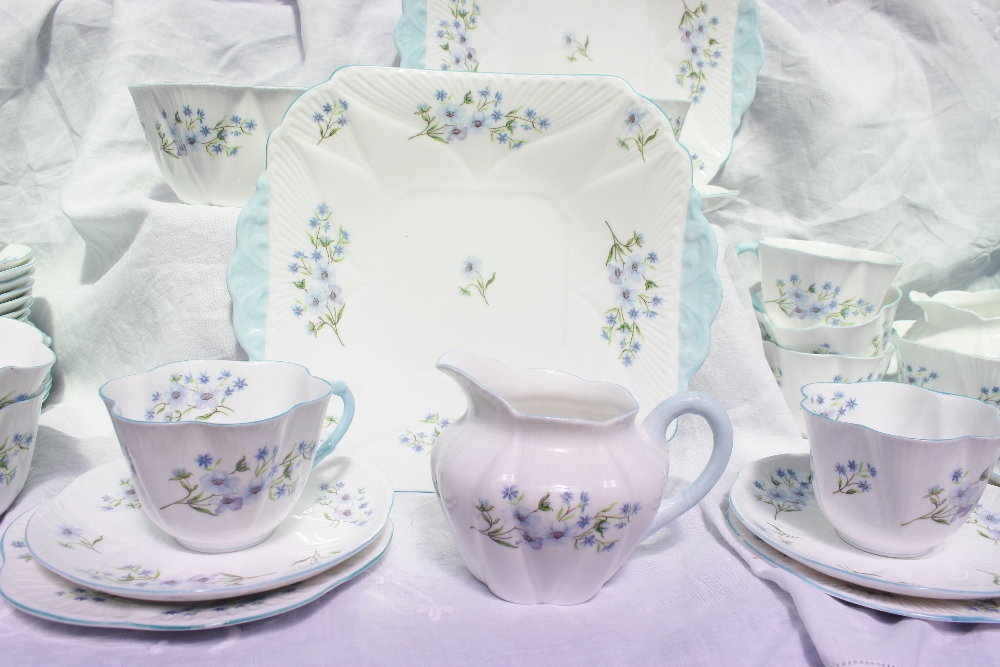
(825, 313)
(90, 556)
(17, 265)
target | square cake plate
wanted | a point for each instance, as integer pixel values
(404, 213)
(705, 52)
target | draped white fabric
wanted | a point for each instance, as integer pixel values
(872, 126)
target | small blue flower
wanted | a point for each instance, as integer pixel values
(864, 486)
(344, 104)
(509, 492)
(567, 497)
(150, 415)
(205, 460)
(502, 138)
(217, 148)
(794, 278)
(186, 111)
(250, 125)
(584, 498)
(302, 446)
(872, 471)
(529, 114)
(205, 131)
(627, 360)
(441, 96)
(837, 378)
(852, 465)
(957, 475)
(589, 540)
(827, 286)
(758, 485)
(342, 120)
(485, 92)
(781, 473)
(297, 310)
(851, 404)
(204, 378)
(544, 123)
(318, 117)
(840, 469)
(328, 108)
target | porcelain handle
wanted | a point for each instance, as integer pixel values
(342, 390)
(692, 402)
(751, 246)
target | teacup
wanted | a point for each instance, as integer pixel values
(897, 468)
(18, 431)
(946, 370)
(210, 140)
(805, 283)
(967, 322)
(862, 340)
(792, 370)
(24, 360)
(220, 450)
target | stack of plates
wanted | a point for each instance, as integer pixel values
(773, 511)
(17, 266)
(90, 556)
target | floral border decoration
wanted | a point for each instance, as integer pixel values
(456, 120)
(183, 136)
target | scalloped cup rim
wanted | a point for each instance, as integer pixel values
(924, 297)
(844, 252)
(890, 349)
(41, 344)
(624, 414)
(114, 410)
(976, 358)
(911, 388)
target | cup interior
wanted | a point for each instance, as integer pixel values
(902, 410)
(832, 251)
(22, 346)
(213, 392)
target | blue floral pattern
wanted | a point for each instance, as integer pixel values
(537, 525)
(195, 395)
(854, 477)
(11, 448)
(137, 576)
(954, 504)
(818, 301)
(701, 50)
(13, 397)
(125, 496)
(330, 119)
(322, 301)
(834, 407)
(345, 505)
(471, 271)
(919, 377)
(213, 489)
(71, 537)
(785, 491)
(187, 133)
(628, 267)
(454, 33)
(987, 523)
(636, 136)
(575, 47)
(422, 438)
(455, 120)
(990, 395)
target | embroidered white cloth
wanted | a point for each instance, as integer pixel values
(870, 127)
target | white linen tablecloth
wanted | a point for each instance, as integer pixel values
(872, 126)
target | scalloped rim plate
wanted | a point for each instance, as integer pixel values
(534, 209)
(95, 534)
(928, 609)
(537, 39)
(966, 567)
(28, 586)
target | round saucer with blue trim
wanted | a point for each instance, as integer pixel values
(96, 534)
(774, 498)
(31, 588)
(929, 609)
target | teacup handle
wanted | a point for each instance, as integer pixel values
(340, 389)
(751, 246)
(697, 403)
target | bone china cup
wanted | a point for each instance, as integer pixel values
(18, 430)
(896, 468)
(24, 360)
(805, 283)
(220, 450)
(967, 322)
(209, 140)
(947, 370)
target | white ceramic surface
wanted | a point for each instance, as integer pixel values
(16, 293)
(868, 339)
(209, 140)
(434, 220)
(804, 283)
(19, 271)
(714, 197)
(94, 534)
(20, 315)
(16, 282)
(18, 433)
(680, 51)
(947, 370)
(967, 322)
(221, 450)
(14, 305)
(24, 360)
(555, 478)
(31, 588)
(781, 509)
(793, 370)
(13, 254)
(930, 609)
(932, 454)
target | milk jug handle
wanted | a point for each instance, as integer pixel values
(655, 425)
(347, 416)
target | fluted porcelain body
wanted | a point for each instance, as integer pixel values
(548, 484)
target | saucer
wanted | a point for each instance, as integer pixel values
(33, 589)
(95, 534)
(773, 497)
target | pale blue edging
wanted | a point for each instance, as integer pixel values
(861, 602)
(411, 34)
(748, 52)
(701, 288)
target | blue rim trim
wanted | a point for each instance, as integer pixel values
(861, 602)
(802, 404)
(298, 576)
(700, 294)
(824, 567)
(118, 415)
(198, 626)
(410, 37)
